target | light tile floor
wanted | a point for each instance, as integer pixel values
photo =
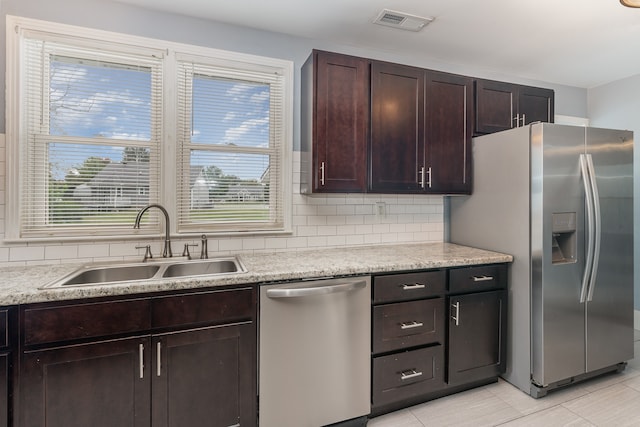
(612, 400)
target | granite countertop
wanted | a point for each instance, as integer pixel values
(21, 285)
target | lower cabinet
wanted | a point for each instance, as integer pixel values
(204, 378)
(204, 375)
(408, 338)
(405, 375)
(103, 384)
(8, 335)
(417, 355)
(476, 336)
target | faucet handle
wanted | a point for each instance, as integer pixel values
(147, 252)
(186, 252)
(204, 251)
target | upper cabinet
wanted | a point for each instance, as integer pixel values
(379, 127)
(420, 130)
(448, 131)
(501, 106)
(335, 123)
(397, 128)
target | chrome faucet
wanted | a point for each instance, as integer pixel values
(166, 253)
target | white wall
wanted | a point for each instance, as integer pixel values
(617, 105)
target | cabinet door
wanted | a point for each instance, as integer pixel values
(476, 336)
(4, 388)
(205, 377)
(341, 123)
(495, 106)
(535, 104)
(104, 384)
(397, 121)
(448, 130)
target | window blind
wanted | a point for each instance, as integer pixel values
(230, 137)
(92, 126)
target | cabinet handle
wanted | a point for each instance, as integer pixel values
(141, 357)
(456, 318)
(411, 325)
(412, 373)
(159, 358)
(429, 180)
(422, 178)
(517, 119)
(412, 286)
(523, 122)
(322, 173)
(482, 278)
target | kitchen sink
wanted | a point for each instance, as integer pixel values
(199, 268)
(92, 275)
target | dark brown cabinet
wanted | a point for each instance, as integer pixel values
(8, 324)
(477, 321)
(335, 123)
(408, 338)
(201, 377)
(420, 130)
(397, 128)
(476, 336)
(191, 360)
(371, 126)
(448, 131)
(501, 106)
(103, 384)
(418, 355)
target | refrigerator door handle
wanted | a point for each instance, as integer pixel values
(597, 227)
(588, 195)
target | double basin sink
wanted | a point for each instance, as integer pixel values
(135, 272)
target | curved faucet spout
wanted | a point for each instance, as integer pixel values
(167, 253)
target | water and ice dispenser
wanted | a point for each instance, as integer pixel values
(563, 240)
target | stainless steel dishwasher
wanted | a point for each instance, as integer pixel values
(315, 353)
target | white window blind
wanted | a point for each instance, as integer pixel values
(231, 147)
(101, 124)
(90, 139)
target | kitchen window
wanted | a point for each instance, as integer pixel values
(101, 124)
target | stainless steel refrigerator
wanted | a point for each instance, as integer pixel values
(560, 200)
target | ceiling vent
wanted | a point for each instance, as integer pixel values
(403, 21)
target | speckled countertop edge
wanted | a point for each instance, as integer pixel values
(21, 285)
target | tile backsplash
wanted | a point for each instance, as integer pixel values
(318, 222)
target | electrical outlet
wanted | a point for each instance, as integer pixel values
(381, 209)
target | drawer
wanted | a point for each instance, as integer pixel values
(408, 324)
(79, 321)
(478, 278)
(222, 306)
(407, 375)
(408, 286)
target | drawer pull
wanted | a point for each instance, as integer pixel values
(482, 278)
(411, 287)
(141, 360)
(159, 358)
(407, 375)
(456, 318)
(411, 325)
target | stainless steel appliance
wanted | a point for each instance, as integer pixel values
(560, 200)
(315, 352)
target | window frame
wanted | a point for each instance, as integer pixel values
(169, 150)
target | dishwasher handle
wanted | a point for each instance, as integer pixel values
(306, 291)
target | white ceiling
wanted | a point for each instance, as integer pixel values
(583, 43)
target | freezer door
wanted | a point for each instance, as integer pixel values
(558, 257)
(609, 314)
